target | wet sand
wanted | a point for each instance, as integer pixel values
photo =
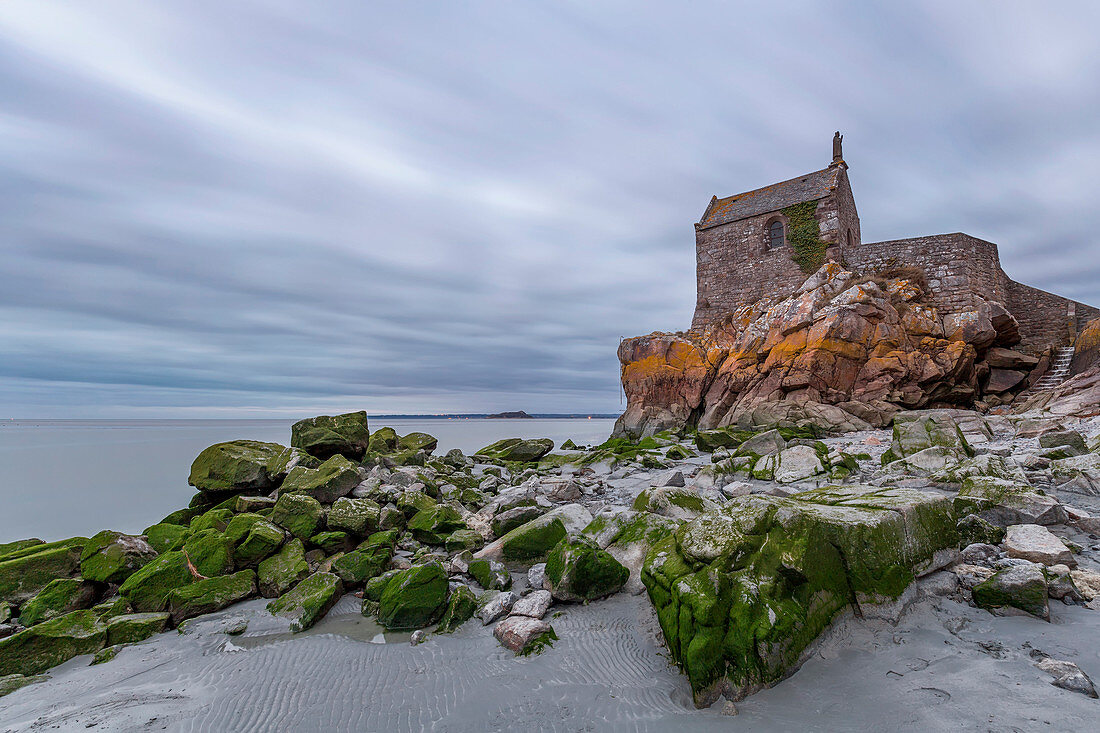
(944, 666)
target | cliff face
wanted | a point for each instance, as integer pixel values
(843, 352)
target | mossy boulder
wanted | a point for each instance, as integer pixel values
(1003, 502)
(741, 592)
(112, 607)
(517, 449)
(674, 502)
(383, 440)
(164, 537)
(418, 442)
(533, 540)
(414, 598)
(332, 542)
(210, 551)
(973, 529)
(374, 587)
(299, 514)
(308, 601)
(9, 548)
(463, 539)
(334, 478)
(280, 572)
(240, 525)
(212, 594)
(58, 598)
(917, 431)
(26, 572)
(239, 466)
(433, 524)
(217, 519)
(1020, 586)
(147, 589)
(366, 561)
(490, 574)
(411, 501)
(507, 520)
(460, 608)
(358, 517)
(48, 644)
(134, 627)
(578, 570)
(262, 541)
(325, 436)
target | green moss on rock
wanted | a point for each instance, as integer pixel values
(263, 540)
(28, 571)
(367, 560)
(283, 570)
(741, 592)
(147, 589)
(517, 449)
(460, 609)
(418, 442)
(212, 594)
(331, 542)
(134, 627)
(210, 551)
(163, 537)
(533, 540)
(308, 601)
(433, 524)
(414, 598)
(357, 517)
(325, 436)
(298, 514)
(328, 482)
(58, 598)
(578, 570)
(239, 466)
(48, 644)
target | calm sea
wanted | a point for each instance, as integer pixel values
(60, 478)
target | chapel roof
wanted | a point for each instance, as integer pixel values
(808, 187)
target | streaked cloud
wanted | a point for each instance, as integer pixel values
(276, 208)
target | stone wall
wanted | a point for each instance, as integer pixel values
(734, 264)
(1045, 319)
(960, 268)
(736, 267)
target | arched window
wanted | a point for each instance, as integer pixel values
(849, 242)
(775, 234)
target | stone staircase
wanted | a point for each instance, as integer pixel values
(1059, 369)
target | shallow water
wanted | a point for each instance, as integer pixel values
(60, 478)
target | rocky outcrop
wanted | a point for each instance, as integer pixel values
(740, 593)
(842, 353)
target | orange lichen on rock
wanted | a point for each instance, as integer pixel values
(839, 340)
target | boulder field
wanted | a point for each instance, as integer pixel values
(843, 353)
(749, 543)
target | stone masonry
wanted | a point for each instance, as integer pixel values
(735, 264)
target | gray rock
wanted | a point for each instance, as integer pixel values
(1068, 676)
(670, 478)
(762, 444)
(979, 553)
(534, 604)
(493, 605)
(971, 575)
(517, 632)
(1037, 544)
(536, 576)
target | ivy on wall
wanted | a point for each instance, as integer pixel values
(804, 236)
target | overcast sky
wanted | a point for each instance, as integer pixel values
(275, 208)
